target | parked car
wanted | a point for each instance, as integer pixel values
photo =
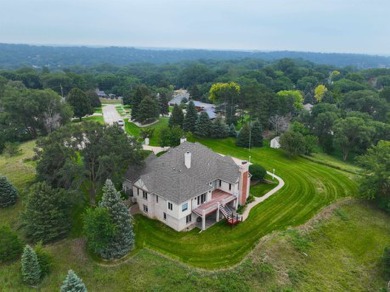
(120, 123)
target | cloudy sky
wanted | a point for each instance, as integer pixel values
(357, 26)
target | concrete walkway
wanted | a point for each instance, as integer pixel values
(155, 149)
(110, 114)
(263, 198)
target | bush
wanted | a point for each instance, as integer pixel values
(44, 259)
(8, 193)
(11, 149)
(10, 245)
(257, 171)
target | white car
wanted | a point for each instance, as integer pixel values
(120, 123)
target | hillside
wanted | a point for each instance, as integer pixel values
(15, 56)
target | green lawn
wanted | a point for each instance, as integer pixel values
(135, 131)
(98, 110)
(341, 253)
(308, 188)
(328, 261)
(20, 170)
(98, 119)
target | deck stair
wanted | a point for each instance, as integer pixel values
(231, 216)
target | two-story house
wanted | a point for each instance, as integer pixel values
(187, 184)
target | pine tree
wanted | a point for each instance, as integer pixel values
(140, 92)
(203, 125)
(31, 271)
(47, 213)
(177, 117)
(256, 135)
(243, 136)
(73, 283)
(8, 193)
(190, 118)
(148, 110)
(123, 240)
(163, 102)
(219, 129)
(232, 131)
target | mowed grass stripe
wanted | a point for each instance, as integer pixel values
(309, 187)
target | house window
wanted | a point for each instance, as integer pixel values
(137, 191)
(220, 183)
(188, 218)
(184, 207)
(156, 199)
(165, 216)
(170, 206)
(145, 209)
(230, 187)
(201, 198)
(145, 195)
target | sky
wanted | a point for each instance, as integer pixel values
(344, 26)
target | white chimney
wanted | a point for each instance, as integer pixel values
(187, 159)
(183, 139)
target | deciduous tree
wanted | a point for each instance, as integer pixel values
(80, 103)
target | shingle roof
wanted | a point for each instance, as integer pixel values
(168, 177)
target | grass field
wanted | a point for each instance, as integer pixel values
(20, 170)
(319, 257)
(342, 252)
(135, 131)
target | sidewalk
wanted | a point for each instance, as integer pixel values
(263, 198)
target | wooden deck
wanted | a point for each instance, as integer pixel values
(217, 196)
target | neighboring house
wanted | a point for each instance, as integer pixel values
(189, 185)
(209, 108)
(178, 96)
(275, 142)
(100, 93)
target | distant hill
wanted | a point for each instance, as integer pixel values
(15, 56)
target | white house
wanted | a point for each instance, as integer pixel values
(189, 185)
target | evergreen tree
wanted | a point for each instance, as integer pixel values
(47, 213)
(148, 110)
(190, 118)
(256, 135)
(140, 92)
(232, 131)
(73, 283)
(123, 240)
(177, 117)
(243, 136)
(163, 101)
(219, 129)
(31, 271)
(203, 125)
(8, 193)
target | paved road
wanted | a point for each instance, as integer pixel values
(110, 114)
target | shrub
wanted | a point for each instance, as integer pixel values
(10, 245)
(8, 193)
(44, 259)
(257, 171)
(11, 149)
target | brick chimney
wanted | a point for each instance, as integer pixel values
(244, 182)
(187, 159)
